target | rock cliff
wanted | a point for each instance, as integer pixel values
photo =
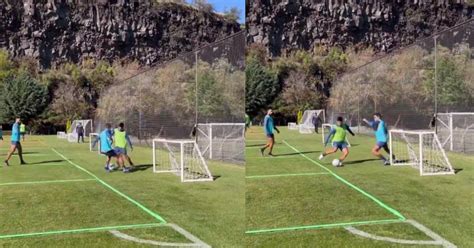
(56, 31)
(284, 25)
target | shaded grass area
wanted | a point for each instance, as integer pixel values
(442, 203)
(212, 211)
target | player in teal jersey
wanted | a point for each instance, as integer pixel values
(381, 137)
(15, 143)
(338, 137)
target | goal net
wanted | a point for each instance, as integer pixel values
(306, 125)
(181, 157)
(419, 149)
(292, 126)
(222, 141)
(92, 138)
(456, 131)
(326, 129)
(72, 132)
(61, 135)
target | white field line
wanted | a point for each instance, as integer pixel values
(437, 240)
(196, 241)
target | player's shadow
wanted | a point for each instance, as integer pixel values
(141, 167)
(294, 153)
(457, 170)
(262, 144)
(48, 162)
(29, 153)
(360, 161)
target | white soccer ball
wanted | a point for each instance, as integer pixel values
(336, 162)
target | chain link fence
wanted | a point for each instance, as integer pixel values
(412, 85)
(169, 100)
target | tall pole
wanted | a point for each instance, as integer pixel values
(436, 82)
(196, 89)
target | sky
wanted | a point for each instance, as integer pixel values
(223, 5)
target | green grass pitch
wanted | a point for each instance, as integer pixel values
(64, 198)
(296, 200)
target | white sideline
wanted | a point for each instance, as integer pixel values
(437, 240)
(196, 241)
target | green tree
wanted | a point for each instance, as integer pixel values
(6, 65)
(23, 97)
(261, 85)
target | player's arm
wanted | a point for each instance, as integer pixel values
(349, 130)
(276, 129)
(328, 138)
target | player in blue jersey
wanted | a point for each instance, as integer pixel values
(106, 140)
(381, 137)
(268, 127)
(15, 143)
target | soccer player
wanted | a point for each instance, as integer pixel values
(268, 127)
(121, 140)
(80, 132)
(22, 130)
(315, 120)
(15, 143)
(338, 135)
(1, 132)
(247, 122)
(105, 139)
(381, 137)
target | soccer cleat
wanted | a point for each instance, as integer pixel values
(321, 156)
(126, 170)
(386, 162)
(261, 151)
(340, 164)
(271, 154)
(107, 168)
(22, 162)
(6, 163)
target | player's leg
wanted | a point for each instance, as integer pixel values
(20, 153)
(329, 151)
(10, 152)
(272, 143)
(269, 140)
(82, 137)
(376, 152)
(345, 153)
(387, 150)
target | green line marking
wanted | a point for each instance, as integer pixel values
(324, 226)
(380, 203)
(155, 215)
(49, 181)
(82, 230)
(287, 175)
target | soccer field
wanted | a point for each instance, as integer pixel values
(295, 199)
(64, 198)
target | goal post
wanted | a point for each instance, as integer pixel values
(92, 138)
(292, 126)
(456, 131)
(221, 141)
(306, 126)
(180, 157)
(72, 132)
(421, 150)
(326, 128)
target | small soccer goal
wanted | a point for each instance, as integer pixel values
(421, 150)
(72, 132)
(222, 141)
(326, 129)
(92, 138)
(181, 157)
(61, 135)
(456, 131)
(292, 126)
(306, 126)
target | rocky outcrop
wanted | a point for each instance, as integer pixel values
(284, 25)
(56, 31)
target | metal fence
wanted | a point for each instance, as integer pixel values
(168, 100)
(411, 85)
